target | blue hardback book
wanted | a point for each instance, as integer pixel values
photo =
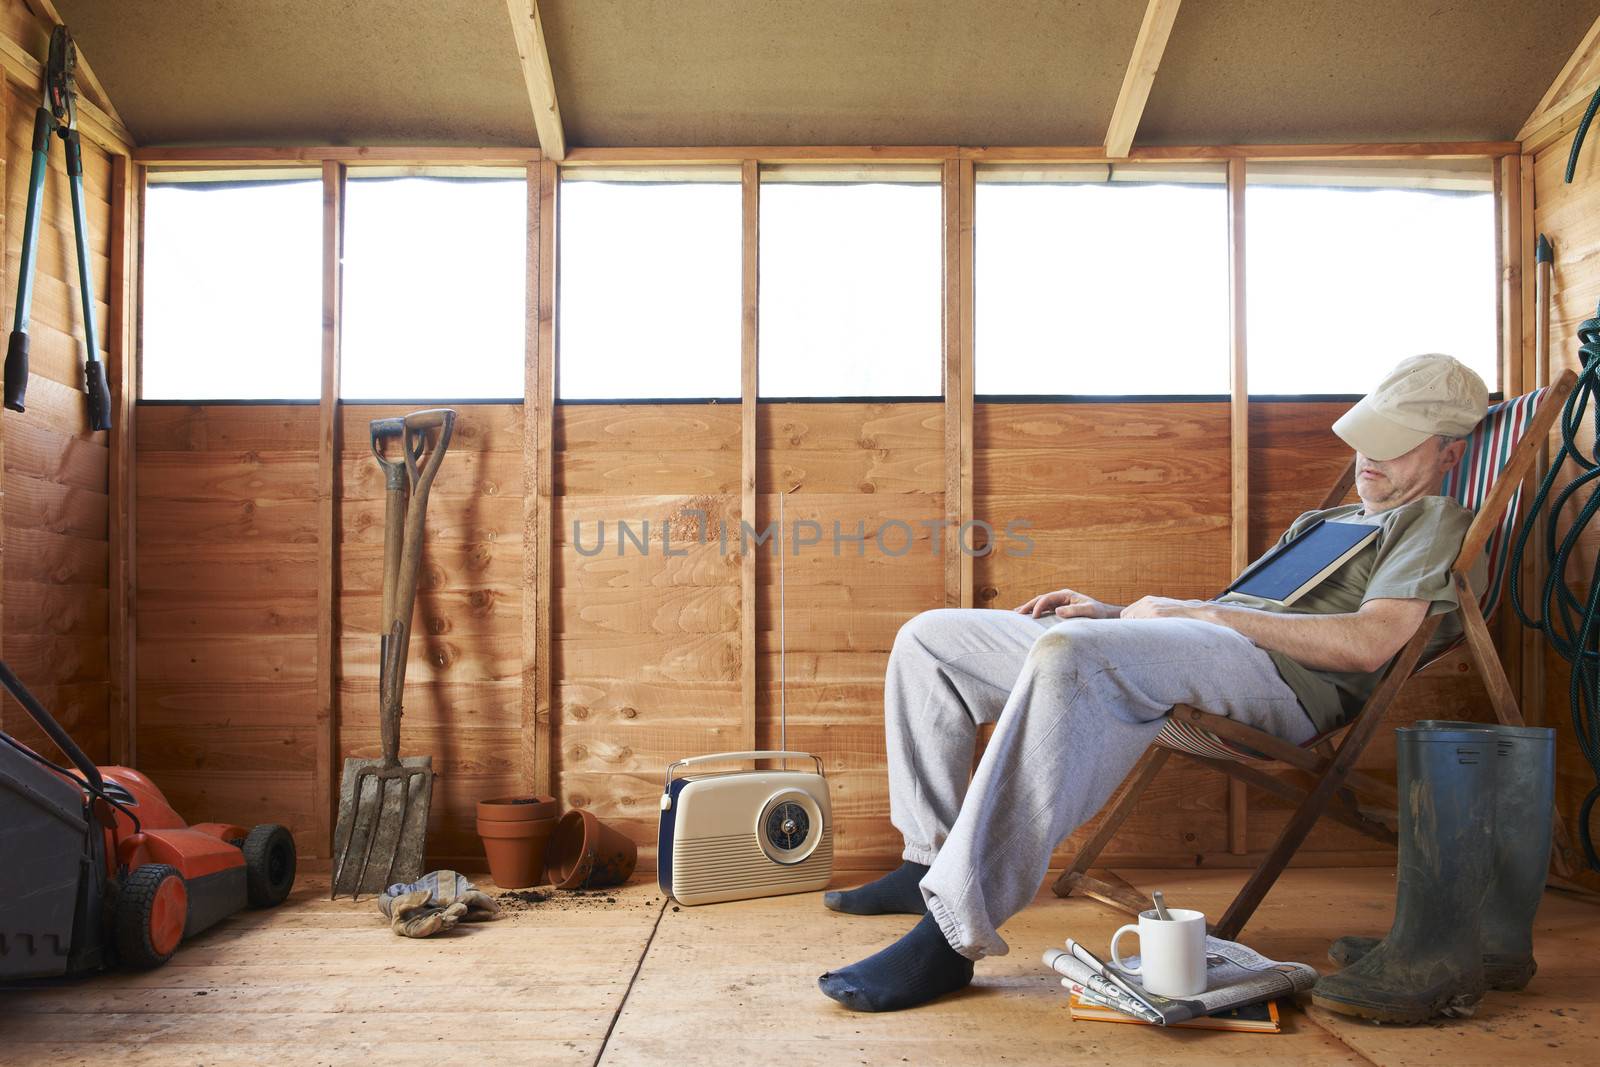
(1288, 571)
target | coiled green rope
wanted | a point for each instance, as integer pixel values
(1569, 622)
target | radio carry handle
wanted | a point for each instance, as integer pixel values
(768, 754)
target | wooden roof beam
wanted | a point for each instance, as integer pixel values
(96, 125)
(1141, 75)
(1560, 87)
(535, 57)
(45, 11)
(1549, 119)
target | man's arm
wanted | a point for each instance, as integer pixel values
(1363, 640)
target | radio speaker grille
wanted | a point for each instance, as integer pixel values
(724, 864)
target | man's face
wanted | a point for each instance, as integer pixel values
(1385, 484)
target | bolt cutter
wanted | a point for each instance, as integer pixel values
(57, 115)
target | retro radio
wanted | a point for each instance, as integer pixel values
(730, 835)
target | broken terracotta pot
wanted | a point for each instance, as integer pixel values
(585, 852)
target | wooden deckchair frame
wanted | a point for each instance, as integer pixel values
(1337, 785)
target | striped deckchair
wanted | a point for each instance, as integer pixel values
(1488, 480)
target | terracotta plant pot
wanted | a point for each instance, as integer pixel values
(516, 850)
(587, 852)
(518, 809)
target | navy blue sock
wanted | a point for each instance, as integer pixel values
(914, 970)
(896, 893)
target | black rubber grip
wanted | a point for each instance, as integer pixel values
(43, 123)
(17, 371)
(94, 380)
(1542, 252)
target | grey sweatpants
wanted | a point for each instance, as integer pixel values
(1077, 702)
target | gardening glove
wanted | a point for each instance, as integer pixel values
(451, 888)
(436, 901)
(412, 915)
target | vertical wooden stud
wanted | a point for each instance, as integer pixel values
(1535, 375)
(122, 336)
(1508, 263)
(528, 733)
(538, 481)
(1535, 369)
(750, 243)
(957, 181)
(950, 185)
(329, 762)
(1527, 231)
(1511, 252)
(1239, 445)
(1501, 262)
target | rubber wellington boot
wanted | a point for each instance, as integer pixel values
(1523, 811)
(1431, 961)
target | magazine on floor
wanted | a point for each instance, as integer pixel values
(1236, 975)
(1260, 1018)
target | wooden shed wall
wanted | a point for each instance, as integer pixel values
(1570, 216)
(55, 626)
(227, 611)
(646, 649)
(1125, 499)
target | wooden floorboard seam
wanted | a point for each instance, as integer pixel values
(1333, 1033)
(626, 993)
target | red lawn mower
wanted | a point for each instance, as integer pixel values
(96, 868)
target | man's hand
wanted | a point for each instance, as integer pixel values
(1160, 607)
(1069, 604)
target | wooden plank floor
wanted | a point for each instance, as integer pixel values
(633, 981)
(325, 982)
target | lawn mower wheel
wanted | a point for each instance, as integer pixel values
(151, 911)
(269, 863)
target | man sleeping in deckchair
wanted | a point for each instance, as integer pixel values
(1078, 689)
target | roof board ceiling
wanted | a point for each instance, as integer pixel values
(1244, 71)
(308, 71)
(710, 72)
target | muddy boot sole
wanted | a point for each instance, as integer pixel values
(1442, 1002)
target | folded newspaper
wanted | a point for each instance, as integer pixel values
(1235, 976)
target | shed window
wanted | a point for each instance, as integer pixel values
(649, 285)
(435, 288)
(1352, 268)
(232, 288)
(851, 297)
(1100, 280)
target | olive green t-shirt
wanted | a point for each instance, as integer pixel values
(1409, 560)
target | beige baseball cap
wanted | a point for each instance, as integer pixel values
(1422, 396)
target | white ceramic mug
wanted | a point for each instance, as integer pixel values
(1172, 952)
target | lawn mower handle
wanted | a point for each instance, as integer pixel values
(48, 724)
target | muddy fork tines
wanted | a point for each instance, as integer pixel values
(350, 834)
(399, 831)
